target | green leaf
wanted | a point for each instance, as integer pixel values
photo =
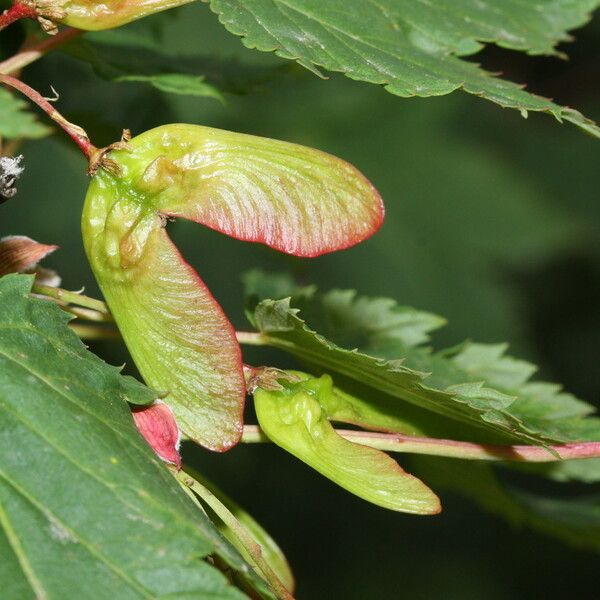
(16, 121)
(343, 316)
(294, 419)
(85, 505)
(575, 520)
(174, 74)
(469, 402)
(269, 548)
(477, 384)
(543, 406)
(177, 83)
(377, 326)
(411, 48)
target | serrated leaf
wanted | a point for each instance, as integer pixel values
(541, 406)
(270, 550)
(16, 121)
(472, 403)
(544, 406)
(85, 506)
(294, 419)
(411, 48)
(378, 326)
(542, 409)
(471, 383)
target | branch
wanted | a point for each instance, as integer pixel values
(250, 338)
(394, 442)
(76, 133)
(87, 314)
(239, 530)
(390, 442)
(71, 298)
(95, 332)
(97, 157)
(29, 55)
(78, 299)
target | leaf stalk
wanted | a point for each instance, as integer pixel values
(76, 133)
(389, 442)
(95, 332)
(30, 54)
(251, 338)
(243, 535)
(70, 298)
(394, 442)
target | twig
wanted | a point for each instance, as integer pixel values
(250, 338)
(71, 298)
(243, 337)
(88, 314)
(393, 442)
(76, 133)
(29, 55)
(239, 530)
(95, 332)
(97, 157)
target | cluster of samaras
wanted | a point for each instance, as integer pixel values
(291, 198)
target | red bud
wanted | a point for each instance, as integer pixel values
(20, 254)
(158, 426)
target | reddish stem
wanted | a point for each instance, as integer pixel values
(468, 450)
(395, 442)
(16, 12)
(30, 54)
(75, 132)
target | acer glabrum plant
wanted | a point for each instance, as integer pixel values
(302, 202)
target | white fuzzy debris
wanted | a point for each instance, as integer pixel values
(10, 171)
(11, 165)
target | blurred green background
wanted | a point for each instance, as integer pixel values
(492, 222)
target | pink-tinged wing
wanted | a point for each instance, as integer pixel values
(179, 338)
(292, 198)
(295, 199)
